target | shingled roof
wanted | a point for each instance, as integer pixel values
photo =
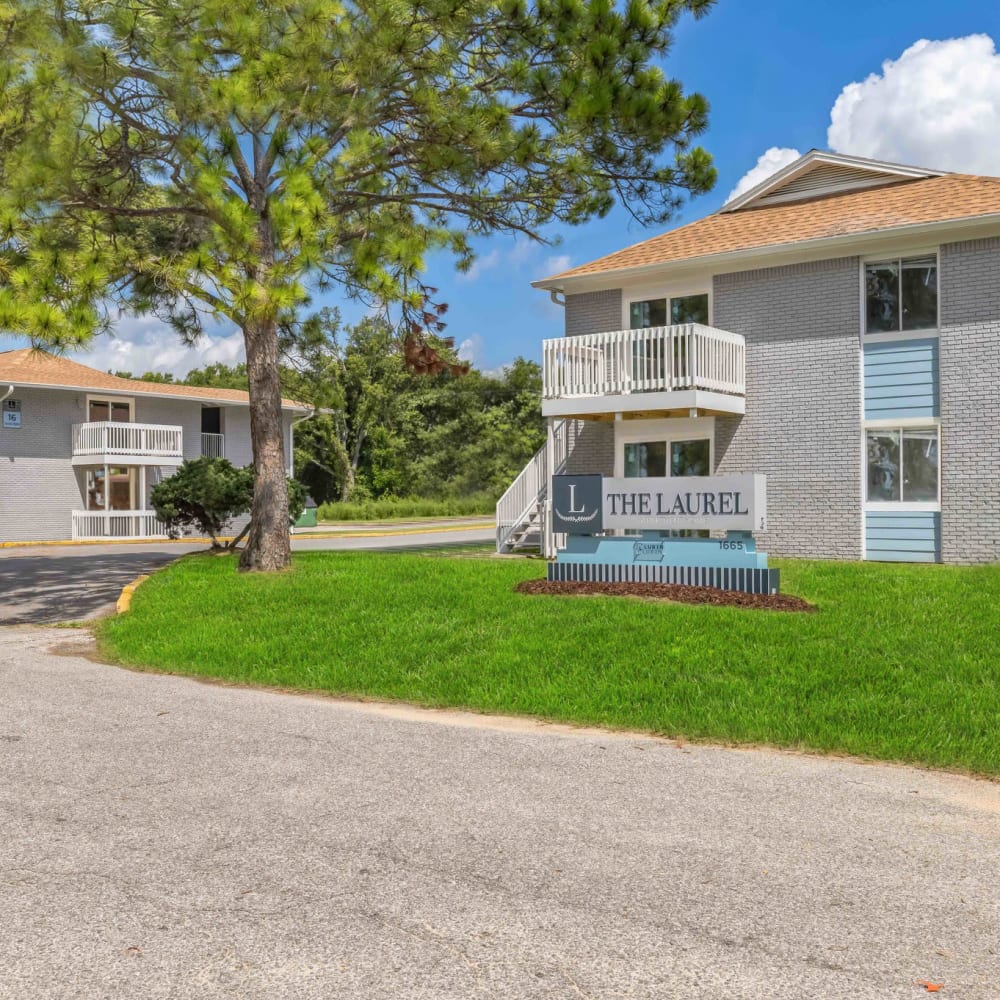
(31, 367)
(892, 206)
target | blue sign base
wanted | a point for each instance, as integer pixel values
(737, 550)
(730, 563)
(749, 581)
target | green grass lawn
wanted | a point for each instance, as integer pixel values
(900, 663)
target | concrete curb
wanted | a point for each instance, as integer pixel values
(125, 598)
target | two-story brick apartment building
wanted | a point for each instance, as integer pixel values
(80, 449)
(837, 328)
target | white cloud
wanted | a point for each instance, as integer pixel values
(937, 105)
(479, 267)
(142, 344)
(560, 262)
(769, 163)
(471, 349)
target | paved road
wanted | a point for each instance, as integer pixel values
(164, 838)
(45, 584)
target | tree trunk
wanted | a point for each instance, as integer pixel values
(268, 547)
(352, 467)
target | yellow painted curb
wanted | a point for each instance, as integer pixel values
(109, 541)
(125, 598)
(191, 540)
(385, 534)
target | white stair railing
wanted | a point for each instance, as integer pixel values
(528, 491)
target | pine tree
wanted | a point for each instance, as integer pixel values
(226, 159)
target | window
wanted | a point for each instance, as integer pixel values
(646, 459)
(116, 410)
(649, 458)
(901, 295)
(680, 309)
(116, 493)
(903, 465)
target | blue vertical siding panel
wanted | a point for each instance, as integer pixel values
(901, 379)
(909, 536)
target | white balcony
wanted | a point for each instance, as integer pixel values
(107, 442)
(92, 525)
(213, 445)
(654, 370)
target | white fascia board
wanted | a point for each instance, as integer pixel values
(639, 402)
(774, 255)
(131, 393)
(817, 157)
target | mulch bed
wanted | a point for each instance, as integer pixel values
(669, 592)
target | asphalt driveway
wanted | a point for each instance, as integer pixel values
(59, 583)
(165, 838)
(68, 583)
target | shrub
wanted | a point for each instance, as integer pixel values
(208, 493)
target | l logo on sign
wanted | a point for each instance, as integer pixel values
(577, 505)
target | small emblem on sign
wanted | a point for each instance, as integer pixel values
(647, 552)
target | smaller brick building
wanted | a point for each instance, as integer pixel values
(80, 449)
(836, 328)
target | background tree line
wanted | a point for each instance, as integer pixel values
(384, 430)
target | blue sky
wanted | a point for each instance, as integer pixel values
(772, 72)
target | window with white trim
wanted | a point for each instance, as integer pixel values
(668, 311)
(903, 464)
(901, 295)
(114, 408)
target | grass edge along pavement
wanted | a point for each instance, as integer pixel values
(900, 663)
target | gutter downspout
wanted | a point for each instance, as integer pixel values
(554, 295)
(8, 393)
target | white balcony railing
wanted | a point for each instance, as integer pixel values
(213, 445)
(652, 360)
(105, 438)
(96, 524)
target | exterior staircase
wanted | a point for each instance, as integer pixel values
(521, 511)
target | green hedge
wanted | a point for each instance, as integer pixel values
(394, 507)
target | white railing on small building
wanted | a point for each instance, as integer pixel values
(107, 438)
(213, 445)
(90, 525)
(654, 359)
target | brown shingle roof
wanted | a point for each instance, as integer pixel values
(904, 203)
(39, 368)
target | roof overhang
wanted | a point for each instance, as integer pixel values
(101, 391)
(774, 255)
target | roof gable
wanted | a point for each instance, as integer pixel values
(819, 173)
